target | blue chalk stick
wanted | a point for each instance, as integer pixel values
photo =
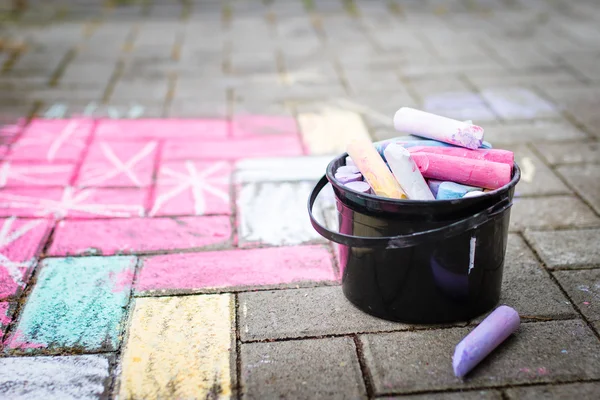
(452, 190)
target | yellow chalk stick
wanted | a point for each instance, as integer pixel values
(179, 347)
(374, 170)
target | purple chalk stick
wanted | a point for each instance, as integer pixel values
(492, 331)
(345, 177)
(359, 186)
(347, 169)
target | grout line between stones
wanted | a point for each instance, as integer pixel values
(364, 368)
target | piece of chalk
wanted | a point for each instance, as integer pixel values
(434, 185)
(347, 169)
(439, 128)
(479, 173)
(475, 193)
(501, 156)
(453, 190)
(492, 331)
(406, 173)
(374, 170)
(349, 162)
(409, 141)
(359, 186)
(347, 177)
(485, 145)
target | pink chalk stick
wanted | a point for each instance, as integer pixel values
(133, 235)
(480, 173)
(495, 155)
(234, 268)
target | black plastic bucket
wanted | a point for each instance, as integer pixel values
(419, 261)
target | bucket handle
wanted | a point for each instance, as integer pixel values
(408, 240)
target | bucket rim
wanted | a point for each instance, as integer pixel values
(330, 173)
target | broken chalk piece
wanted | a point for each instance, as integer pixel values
(345, 177)
(349, 162)
(480, 173)
(475, 193)
(485, 145)
(359, 186)
(347, 169)
(406, 172)
(453, 190)
(436, 127)
(374, 170)
(434, 186)
(492, 331)
(501, 156)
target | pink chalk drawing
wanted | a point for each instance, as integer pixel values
(246, 147)
(151, 129)
(122, 280)
(35, 174)
(118, 164)
(8, 133)
(196, 188)
(53, 140)
(72, 203)
(19, 242)
(4, 317)
(233, 268)
(256, 125)
(135, 235)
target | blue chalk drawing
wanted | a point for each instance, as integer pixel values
(56, 111)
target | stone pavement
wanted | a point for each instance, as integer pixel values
(157, 157)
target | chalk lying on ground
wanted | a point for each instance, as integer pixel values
(492, 331)
(359, 186)
(374, 170)
(501, 156)
(406, 173)
(440, 128)
(453, 190)
(480, 173)
(434, 186)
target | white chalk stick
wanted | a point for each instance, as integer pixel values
(406, 173)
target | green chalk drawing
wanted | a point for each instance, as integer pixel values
(77, 303)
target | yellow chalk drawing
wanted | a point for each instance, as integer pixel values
(179, 348)
(527, 169)
(331, 130)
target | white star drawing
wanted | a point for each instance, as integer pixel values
(27, 173)
(6, 238)
(54, 142)
(198, 181)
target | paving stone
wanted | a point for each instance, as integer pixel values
(52, 140)
(179, 347)
(584, 179)
(72, 203)
(304, 312)
(64, 377)
(568, 248)
(192, 188)
(20, 242)
(197, 109)
(519, 103)
(153, 129)
(551, 212)
(6, 312)
(135, 235)
(331, 131)
(528, 79)
(527, 287)
(536, 177)
(281, 169)
(134, 90)
(459, 105)
(583, 391)
(405, 362)
(77, 303)
(462, 395)
(301, 369)
(194, 272)
(569, 153)
(275, 214)
(584, 289)
(31, 173)
(257, 146)
(116, 164)
(535, 132)
(259, 125)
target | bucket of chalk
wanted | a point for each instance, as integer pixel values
(419, 261)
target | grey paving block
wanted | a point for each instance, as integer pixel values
(581, 391)
(462, 395)
(527, 287)
(304, 312)
(526, 79)
(551, 212)
(519, 103)
(556, 351)
(585, 179)
(155, 90)
(584, 289)
(536, 177)
(534, 132)
(301, 369)
(65, 377)
(197, 109)
(568, 248)
(569, 153)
